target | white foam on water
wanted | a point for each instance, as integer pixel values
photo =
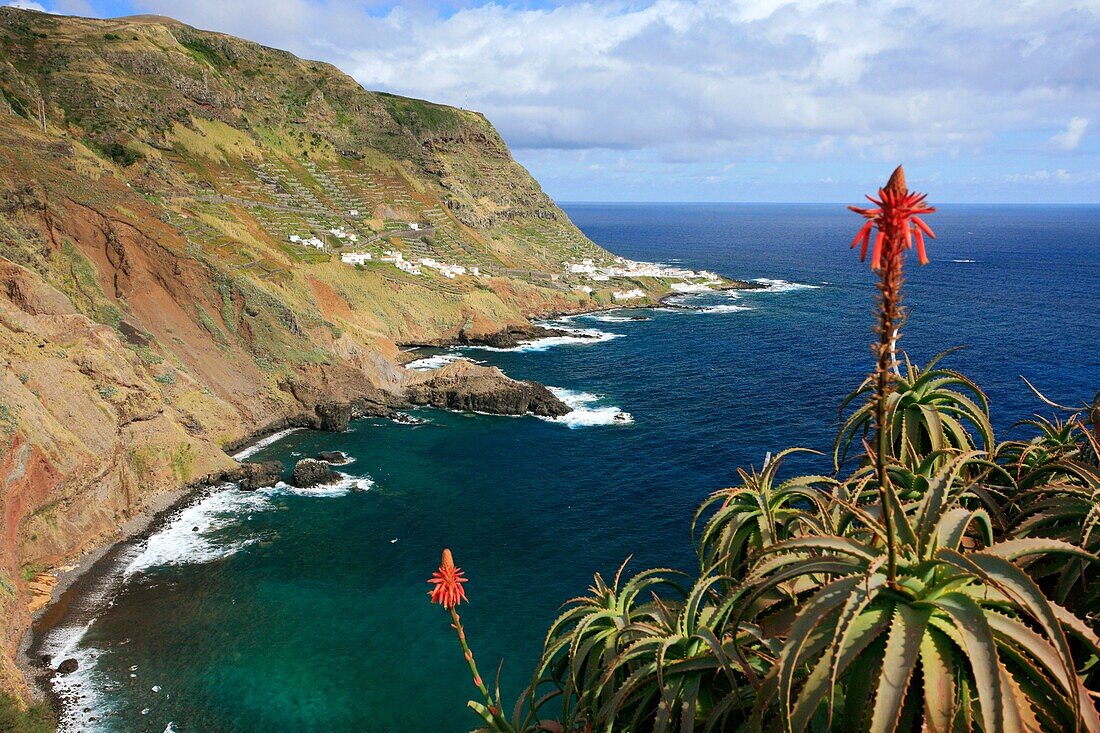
(782, 286)
(263, 443)
(191, 536)
(79, 689)
(177, 543)
(341, 487)
(585, 412)
(577, 336)
(435, 361)
(180, 543)
(965, 262)
(724, 308)
(605, 318)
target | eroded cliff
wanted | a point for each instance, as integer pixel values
(174, 210)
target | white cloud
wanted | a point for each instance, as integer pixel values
(759, 76)
(1070, 138)
(26, 5)
(724, 80)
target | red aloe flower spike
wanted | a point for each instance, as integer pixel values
(896, 216)
(448, 591)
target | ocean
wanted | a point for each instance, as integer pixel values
(290, 610)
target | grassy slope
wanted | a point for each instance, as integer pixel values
(151, 307)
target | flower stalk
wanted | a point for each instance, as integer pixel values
(448, 592)
(896, 217)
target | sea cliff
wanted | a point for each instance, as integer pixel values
(177, 208)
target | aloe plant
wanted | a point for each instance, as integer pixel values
(959, 640)
(625, 658)
(761, 511)
(930, 410)
(939, 587)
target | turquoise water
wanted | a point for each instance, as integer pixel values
(308, 611)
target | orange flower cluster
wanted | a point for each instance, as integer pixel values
(897, 217)
(448, 591)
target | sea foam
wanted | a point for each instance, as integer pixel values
(585, 412)
(262, 443)
(191, 536)
(436, 361)
(576, 336)
(783, 286)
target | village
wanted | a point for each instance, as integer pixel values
(586, 271)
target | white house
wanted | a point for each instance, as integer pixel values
(628, 294)
(295, 238)
(353, 212)
(600, 277)
(414, 226)
(313, 242)
(409, 267)
(356, 258)
(392, 256)
(475, 271)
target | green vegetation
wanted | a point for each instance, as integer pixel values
(8, 420)
(203, 52)
(182, 462)
(938, 581)
(78, 281)
(211, 326)
(37, 718)
(166, 378)
(421, 116)
(120, 154)
(32, 569)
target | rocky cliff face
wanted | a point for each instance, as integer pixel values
(153, 309)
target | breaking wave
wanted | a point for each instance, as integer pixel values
(577, 336)
(783, 286)
(585, 410)
(262, 443)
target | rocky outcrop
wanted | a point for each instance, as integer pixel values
(310, 472)
(512, 336)
(463, 385)
(260, 475)
(332, 456)
(333, 417)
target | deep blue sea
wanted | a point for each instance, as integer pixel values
(300, 611)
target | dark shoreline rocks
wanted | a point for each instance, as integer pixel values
(337, 457)
(310, 472)
(463, 385)
(260, 475)
(511, 337)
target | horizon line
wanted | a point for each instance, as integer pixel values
(816, 203)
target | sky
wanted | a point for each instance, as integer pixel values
(753, 100)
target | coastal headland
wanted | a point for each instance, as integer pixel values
(203, 242)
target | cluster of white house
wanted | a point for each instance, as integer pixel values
(398, 260)
(623, 267)
(317, 243)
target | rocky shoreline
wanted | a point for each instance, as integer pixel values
(461, 386)
(81, 588)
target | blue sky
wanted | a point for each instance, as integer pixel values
(720, 100)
